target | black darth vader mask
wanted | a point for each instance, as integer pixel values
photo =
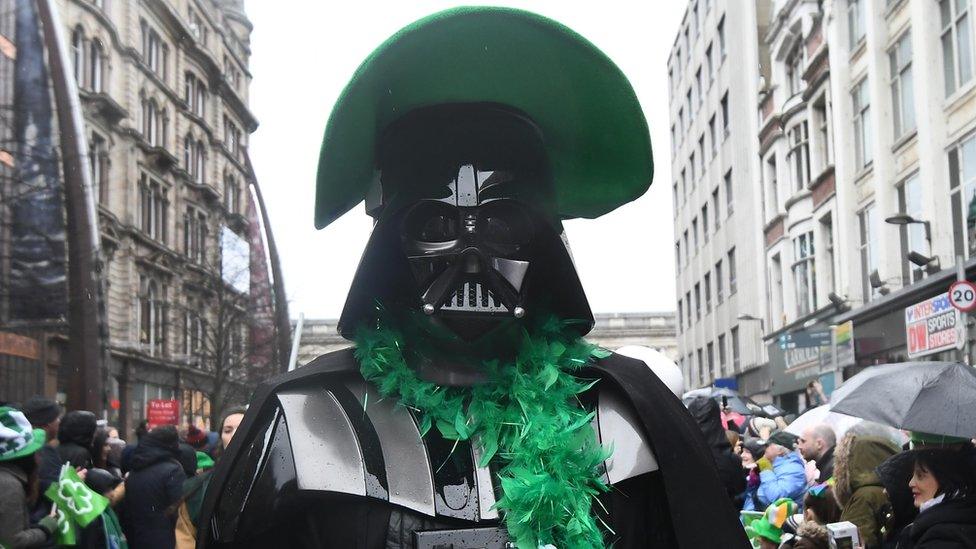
(464, 231)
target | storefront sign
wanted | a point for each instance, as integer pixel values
(162, 412)
(843, 342)
(932, 326)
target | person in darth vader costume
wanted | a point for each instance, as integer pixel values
(470, 412)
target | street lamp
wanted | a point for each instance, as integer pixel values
(902, 218)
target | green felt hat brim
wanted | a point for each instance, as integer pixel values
(594, 130)
(39, 437)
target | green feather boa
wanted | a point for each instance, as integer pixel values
(527, 417)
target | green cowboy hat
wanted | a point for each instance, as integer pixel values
(770, 525)
(17, 439)
(594, 131)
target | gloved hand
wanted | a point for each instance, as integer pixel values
(764, 464)
(49, 524)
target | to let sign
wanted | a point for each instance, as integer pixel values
(932, 326)
(162, 412)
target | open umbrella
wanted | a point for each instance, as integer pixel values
(840, 423)
(932, 397)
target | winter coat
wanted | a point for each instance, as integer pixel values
(787, 479)
(152, 490)
(895, 473)
(947, 525)
(858, 489)
(75, 435)
(826, 465)
(709, 417)
(16, 531)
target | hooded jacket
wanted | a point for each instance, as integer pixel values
(75, 435)
(787, 479)
(152, 489)
(947, 525)
(857, 487)
(706, 412)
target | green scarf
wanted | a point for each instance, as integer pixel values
(528, 417)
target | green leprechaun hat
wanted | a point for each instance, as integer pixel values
(595, 135)
(17, 439)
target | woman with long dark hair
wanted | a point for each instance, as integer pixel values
(19, 484)
(944, 490)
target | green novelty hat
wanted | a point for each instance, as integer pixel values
(593, 128)
(17, 437)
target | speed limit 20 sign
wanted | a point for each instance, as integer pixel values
(962, 295)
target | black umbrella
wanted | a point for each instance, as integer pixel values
(931, 397)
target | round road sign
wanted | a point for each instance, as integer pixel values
(962, 295)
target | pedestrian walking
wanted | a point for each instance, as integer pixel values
(19, 483)
(152, 488)
(856, 484)
(943, 487)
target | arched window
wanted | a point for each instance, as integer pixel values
(150, 128)
(78, 55)
(230, 193)
(188, 146)
(96, 66)
(200, 108)
(152, 315)
(201, 158)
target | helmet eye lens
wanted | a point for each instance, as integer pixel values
(433, 223)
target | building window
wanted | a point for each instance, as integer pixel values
(729, 196)
(232, 137)
(724, 103)
(154, 206)
(195, 235)
(704, 218)
(232, 194)
(718, 218)
(794, 69)
(681, 311)
(962, 186)
(698, 303)
(700, 86)
(867, 224)
(712, 136)
(193, 337)
(855, 22)
(688, 304)
(681, 122)
(718, 283)
(152, 316)
(99, 161)
(195, 95)
(693, 168)
(957, 44)
(799, 156)
(96, 66)
(677, 256)
(825, 146)
(862, 125)
(913, 235)
(772, 187)
(732, 279)
(902, 85)
(154, 122)
(154, 51)
(694, 232)
(721, 353)
(197, 27)
(686, 247)
(708, 292)
(710, 356)
(78, 55)
(734, 336)
(827, 245)
(804, 274)
(721, 37)
(709, 64)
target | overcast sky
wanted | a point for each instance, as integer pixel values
(304, 53)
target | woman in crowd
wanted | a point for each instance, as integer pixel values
(102, 449)
(153, 486)
(944, 490)
(856, 484)
(195, 489)
(19, 444)
(819, 509)
(76, 435)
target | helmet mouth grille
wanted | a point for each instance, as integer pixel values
(474, 297)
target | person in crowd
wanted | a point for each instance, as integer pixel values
(44, 413)
(708, 415)
(752, 449)
(768, 529)
(153, 486)
(781, 471)
(819, 509)
(19, 483)
(188, 460)
(817, 444)
(894, 474)
(196, 437)
(759, 427)
(75, 436)
(735, 441)
(856, 484)
(815, 394)
(195, 489)
(102, 452)
(105, 532)
(141, 429)
(943, 486)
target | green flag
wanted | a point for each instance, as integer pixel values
(78, 501)
(66, 534)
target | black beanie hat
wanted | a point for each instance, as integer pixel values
(101, 481)
(41, 411)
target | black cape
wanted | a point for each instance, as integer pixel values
(683, 504)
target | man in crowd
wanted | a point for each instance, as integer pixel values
(817, 444)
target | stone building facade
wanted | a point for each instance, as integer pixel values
(164, 89)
